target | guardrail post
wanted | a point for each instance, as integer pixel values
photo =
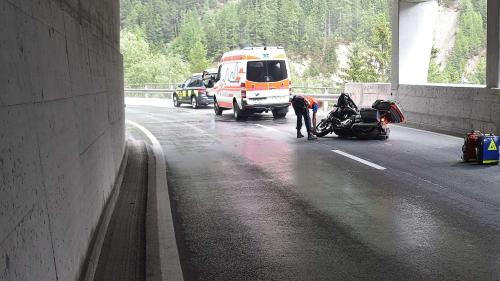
(325, 106)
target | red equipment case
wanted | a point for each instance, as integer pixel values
(470, 146)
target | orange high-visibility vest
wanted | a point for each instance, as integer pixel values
(311, 101)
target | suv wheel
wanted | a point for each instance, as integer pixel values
(176, 101)
(194, 102)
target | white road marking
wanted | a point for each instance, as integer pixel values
(269, 128)
(368, 163)
(427, 132)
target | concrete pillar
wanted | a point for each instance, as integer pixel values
(62, 132)
(412, 36)
(415, 34)
(493, 45)
(395, 45)
(325, 106)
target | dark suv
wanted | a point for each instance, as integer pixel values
(193, 92)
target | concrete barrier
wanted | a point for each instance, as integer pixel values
(454, 109)
(61, 131)
(364, 94)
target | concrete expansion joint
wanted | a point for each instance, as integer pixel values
(23, 218)
(100, 135)
(46, 196)
(54, 100)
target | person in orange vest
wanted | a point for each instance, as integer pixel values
(301, 106)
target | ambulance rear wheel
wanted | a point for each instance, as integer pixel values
(238, 113)
(217, 109)
(176, 101)
(279, 113)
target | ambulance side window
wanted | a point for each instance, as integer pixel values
(233, 71)
(226, 72)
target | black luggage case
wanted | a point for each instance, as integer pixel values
(369, 115)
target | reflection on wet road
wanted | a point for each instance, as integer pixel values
(251, 202)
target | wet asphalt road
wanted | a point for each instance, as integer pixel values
(251, 202)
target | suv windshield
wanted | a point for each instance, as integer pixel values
(266, 71)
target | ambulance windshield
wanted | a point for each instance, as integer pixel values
(266, 71)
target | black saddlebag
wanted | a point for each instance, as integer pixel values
(369, 115)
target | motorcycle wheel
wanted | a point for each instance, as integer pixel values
(323, 128)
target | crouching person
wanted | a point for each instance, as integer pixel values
(301, 106)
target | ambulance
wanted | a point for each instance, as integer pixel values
(253, 80)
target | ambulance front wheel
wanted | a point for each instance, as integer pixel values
(217, 109)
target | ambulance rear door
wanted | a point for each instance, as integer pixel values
(267, 82)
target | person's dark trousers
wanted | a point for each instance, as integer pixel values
(302, 112)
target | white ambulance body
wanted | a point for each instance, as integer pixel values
(254, 79)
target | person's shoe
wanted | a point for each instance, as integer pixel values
(299, 134)
(310, 136)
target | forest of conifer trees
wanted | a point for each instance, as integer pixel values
(166, 40)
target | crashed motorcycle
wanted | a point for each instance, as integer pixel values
(347, 121)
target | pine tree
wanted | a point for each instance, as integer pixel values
(198, 57)
(359, 68)
(288, 24)
(381, 51)
(191, 32)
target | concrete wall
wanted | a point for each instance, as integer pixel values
(61, 131)
(364, 94)
(455, 109)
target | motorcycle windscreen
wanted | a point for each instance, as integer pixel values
(396, 114)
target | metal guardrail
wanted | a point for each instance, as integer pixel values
(324, 90)
(155, 85)
(325, 98)
(167, 93)
(150, 93)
